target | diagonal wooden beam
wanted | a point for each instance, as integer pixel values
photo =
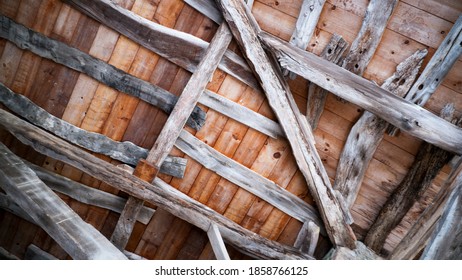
(407, 116)
(160, 193)
(297, 130)
(79, 239)
(218, 246)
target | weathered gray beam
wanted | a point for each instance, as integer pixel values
(368, 131)
(245, 30)
(218, 246)
(307, 238)
(407, 116)
(35, 253)
(362, 252)
(27, 39)
(427, 164)
(79, 239)
(419, 234)
(5, 255)
(160, 193)
(126, 222)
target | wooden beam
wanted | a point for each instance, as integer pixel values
(317, 95)
(5, 255)
(247, 179)
(126, 222)
(159, 39)
(160, 193)
(307, 238)
(437, 68)
(427, 164)
(79, 239)
(401, 113)
(218, 246)
(189, 97)
(35, 253)
(27, 39)
(419, 234)
(360, 253)
(126, 152)
(306, 24)
(368, 131)
(245, 30)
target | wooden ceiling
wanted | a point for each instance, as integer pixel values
(113, 71)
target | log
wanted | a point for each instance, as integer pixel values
(79, 239)
(368, 131)
(26, 39)
(427, 164)
(407, 116)
(216, 241)
(159, 39)
(245, 30)
(160, 193)
(437, 68)
(419, 234)
(317, 95)
(126, 152)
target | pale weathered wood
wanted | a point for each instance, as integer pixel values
(126, 222)
(79, 239)
(160, 193)
(307, 238)
(190, 96)
(246, 178)
(217, 243)
(317, 95)
(245, 30)
(401, 113)
(159, 39)
(419, 234)
(437, 68)
(9, 205)
(363, 47)
(61, 53)
(126, 152)
(427, 164)
(360, 253)
(368, 131)
(306, 24)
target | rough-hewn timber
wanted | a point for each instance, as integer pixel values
(79, 239)
(362, 252)
(427, 164)
(126, 152)
(368, 131)
(160, 193)
(27, 39)
(245, 30)
(217, 243)
(307, 238)
(406, 115)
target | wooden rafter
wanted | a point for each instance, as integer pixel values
(79, 239)
(217, 243)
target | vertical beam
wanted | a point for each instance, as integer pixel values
(307, 238)
(217, 243)
(245, 30)
(79, 239)
(368, 131)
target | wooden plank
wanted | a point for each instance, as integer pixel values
(35, 253)
(437, 68)
(419, 234)
(360, 253)
(367, 133)
(307, 238)
(93, 67)
(245, 30)
(401, 113)
(217, 243)
(126, 222)
(147, 34)
(427, 164)
(126, 152)
(79, 239)
(160, 194)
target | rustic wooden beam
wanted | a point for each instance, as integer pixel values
(317, 95)
(360, 253)
(159, 39)
(446, 240)
(126, 152)
(79, 239)
(306, 25)
(419, 234)
(247, 179)
(35, 253)
(160, 193)
(218, 246)
(427, 164)
(27, 39)
(407, 116)
(437, 68)
(126, 222)
(307, 238)
(5, 255)
(245, 30)
(368, 131)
